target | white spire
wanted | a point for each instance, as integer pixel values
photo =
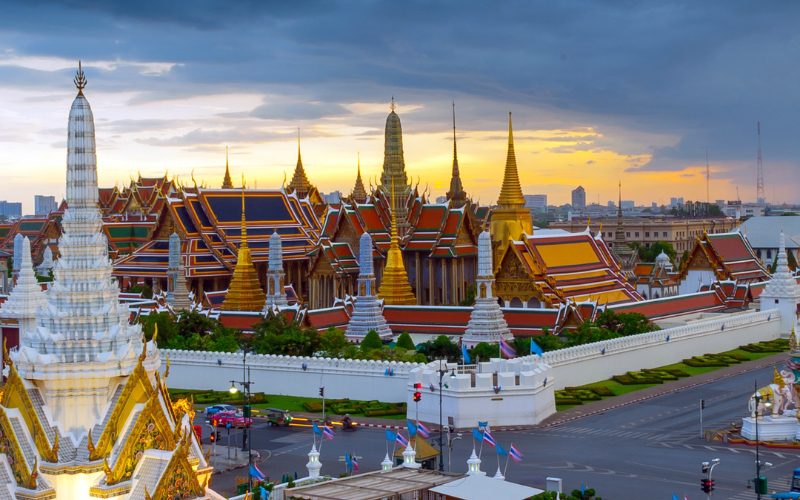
(367, 312)
(17, 252)
(27, 296)
(83, 341)
(486, 322)
(276, 293)
(783, 282)
(47, 261)
(177, 293)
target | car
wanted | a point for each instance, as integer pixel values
(235, 419)
(214, 409)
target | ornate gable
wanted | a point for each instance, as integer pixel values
(15, 395)
(512, 279)
(179, 480)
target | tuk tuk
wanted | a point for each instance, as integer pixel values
(278, 417)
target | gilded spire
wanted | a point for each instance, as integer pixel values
(456, 193)
(395, 289)
(244, 292)
(359, 194)
(226, 181)
(300, 183)
(394, 169)
(511, 192)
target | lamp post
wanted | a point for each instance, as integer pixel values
(442, 370)
(246, 444)
(708, 469)
(758, 397)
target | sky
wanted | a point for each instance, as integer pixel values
(632, 91)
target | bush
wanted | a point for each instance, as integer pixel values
(371, 341)
(603, 391)
(404, 342)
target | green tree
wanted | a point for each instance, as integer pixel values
(371, 341)
(404, 342)
(588, 494)
(440, 347)
(649, 254)
(333, 342)
(549, 342)
(276, 335)
(485, 352)
(624, 323)
(471, 293)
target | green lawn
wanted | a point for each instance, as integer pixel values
(619, 389)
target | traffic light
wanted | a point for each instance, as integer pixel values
(417, 393)
(707, 485)
(246, 412)
(322, 392)
(213, 436)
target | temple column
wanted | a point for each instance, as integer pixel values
(443, 271)
(418, 277)
(431, 287)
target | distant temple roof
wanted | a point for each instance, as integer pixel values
(728, 255)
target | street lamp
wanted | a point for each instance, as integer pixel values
(246, 444)
(758, 481)
(442, 371)
(708, 469)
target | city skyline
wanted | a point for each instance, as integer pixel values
(170, 100)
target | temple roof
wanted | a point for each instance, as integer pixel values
(728, 255)
(573, 266)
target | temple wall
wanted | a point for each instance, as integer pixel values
(586, 363)
(286, 375)
(367, 380)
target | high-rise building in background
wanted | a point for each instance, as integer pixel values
(627, 205)
(536, 202)
(579, 197)
(676, 202)
(10, 209)
(43, 205)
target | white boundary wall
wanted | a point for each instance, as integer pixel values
(272, 374)
(367, 380)
(597, 361)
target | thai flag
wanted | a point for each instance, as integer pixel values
(487, 437)
(354, 462)
(506, 350)
(327, 433)
(423, 431)
(256, 473)
(514, 453)
(401, 440)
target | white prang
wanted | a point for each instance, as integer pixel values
(177, 293)
(782, 292)
(276, 293)
(82, 344)
(47, 261)
(486, 322)
(367, 312)
(26, 298)
(17, 253)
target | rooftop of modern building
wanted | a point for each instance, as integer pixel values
(763, 231)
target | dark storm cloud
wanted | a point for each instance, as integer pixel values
(703, 72)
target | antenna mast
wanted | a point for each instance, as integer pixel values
(760, 198)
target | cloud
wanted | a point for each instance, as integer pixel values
(282, 110)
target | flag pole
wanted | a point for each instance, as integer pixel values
(481, 450)
(508, 455)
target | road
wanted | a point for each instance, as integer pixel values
(647, 450)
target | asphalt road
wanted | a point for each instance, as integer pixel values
(648, 450)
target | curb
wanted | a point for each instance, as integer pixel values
(757, 365)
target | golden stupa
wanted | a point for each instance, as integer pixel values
(244, 292)
(510, 219)
(227, 183)
(395, 289)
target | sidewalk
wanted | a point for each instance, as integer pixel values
(219, 458)
(630, 398)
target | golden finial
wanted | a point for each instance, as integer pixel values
(143, 355)
(166, 369)
(55, 448)
(90, 445)
(600, 230)
(244, 217)
(6, 357)
(80, 79)
(107, 471)
(147, 494)
(155, 333)
(34, 474)
(777, 379)
(392, 106)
